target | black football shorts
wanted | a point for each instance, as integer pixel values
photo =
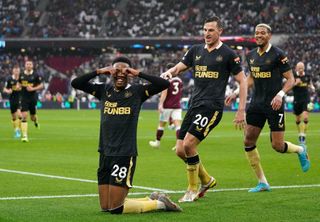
(29, 105)
(14, 105)
(199, 122)
(258, 115)
(299, 107)
(116, 170)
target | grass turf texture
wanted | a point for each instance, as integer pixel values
(66, 145)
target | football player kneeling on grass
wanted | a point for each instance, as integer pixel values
(120, 107)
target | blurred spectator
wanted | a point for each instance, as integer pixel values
(155, 18)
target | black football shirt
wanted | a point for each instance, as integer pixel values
(120, 111)
(12, 83)
(266, 71)
(33, 80)
(300, 91)
(211, 71)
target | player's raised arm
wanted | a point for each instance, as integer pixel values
(157, 83)
(82, 82)
(174, 71)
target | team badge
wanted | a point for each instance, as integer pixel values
(251, 61)
(127, 94)
(119, 181)
(198, 58)
(268, 61)
(199, 128)
(280, 125)
(237, 60)
(219, 58)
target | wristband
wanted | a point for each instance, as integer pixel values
(281, 93)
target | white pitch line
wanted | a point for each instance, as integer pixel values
(272, 188)
(146, 193)
(73, 179)
(48, 197)
(47, 175)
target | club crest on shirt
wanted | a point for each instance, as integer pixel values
(199, 128)
(219, 58)
(198, 58)
(280, 125)
(251, 61)
(268, 61)
(119, 181)
(127, 94)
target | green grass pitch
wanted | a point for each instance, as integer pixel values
(66, 147)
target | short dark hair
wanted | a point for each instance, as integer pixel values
(123, 59)
(214, 19)
(264, 25)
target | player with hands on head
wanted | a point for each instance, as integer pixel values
(120, 107)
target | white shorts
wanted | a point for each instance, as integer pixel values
(175, 114)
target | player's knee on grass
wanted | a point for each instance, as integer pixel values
(105, 210)
(118, 210)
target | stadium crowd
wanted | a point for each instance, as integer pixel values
(305, 49)
(97, 18)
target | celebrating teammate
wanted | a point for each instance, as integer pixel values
(301, 99)
(212, 64)
(13, 88)
(31, 82)
(268, 66)
(169, 107)
(120, 108)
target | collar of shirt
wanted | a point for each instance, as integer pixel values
(13, 77)
(28, 73)
(128, 85)
(217, 47)
(267, 50)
